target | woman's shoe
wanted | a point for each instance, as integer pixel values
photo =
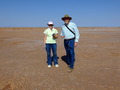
(56, 65)
(49, 66)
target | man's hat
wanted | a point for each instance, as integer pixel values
(66, 17)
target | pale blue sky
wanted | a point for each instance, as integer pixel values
(36, 13)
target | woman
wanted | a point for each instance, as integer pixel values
(51, 34)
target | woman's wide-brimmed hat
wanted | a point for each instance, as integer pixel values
(66, 17)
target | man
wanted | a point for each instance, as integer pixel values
(71, 35)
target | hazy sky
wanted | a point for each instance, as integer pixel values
(36, 13)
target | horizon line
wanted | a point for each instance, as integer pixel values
(59, 27)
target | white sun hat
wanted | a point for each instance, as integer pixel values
(50, 22)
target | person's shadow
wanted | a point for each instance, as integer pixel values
(64, 58)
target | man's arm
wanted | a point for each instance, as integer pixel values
(62, 34)
(77, 35)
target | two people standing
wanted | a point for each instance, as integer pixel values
(71, 35)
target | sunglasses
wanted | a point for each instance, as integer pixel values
(66, 19)
(50, 25)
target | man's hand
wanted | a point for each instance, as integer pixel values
(62, 36)
(75, 44)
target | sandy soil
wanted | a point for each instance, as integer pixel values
(23, 61)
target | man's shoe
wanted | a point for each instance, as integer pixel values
(68, 66)
(56, 65)
(70, 70)
(49, 66)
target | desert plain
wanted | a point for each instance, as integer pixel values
(23, 61)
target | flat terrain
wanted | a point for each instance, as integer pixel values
(23, 61)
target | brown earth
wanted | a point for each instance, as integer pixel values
(23, 61)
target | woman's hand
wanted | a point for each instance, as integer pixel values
(55, 36)
(44, 45)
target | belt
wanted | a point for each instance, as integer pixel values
(69, 39)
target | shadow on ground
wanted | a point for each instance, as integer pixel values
(64, 58)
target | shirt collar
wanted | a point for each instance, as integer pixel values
(50, 29)
(67, 24)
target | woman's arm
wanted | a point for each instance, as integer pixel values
(55, 35)
(45, 39)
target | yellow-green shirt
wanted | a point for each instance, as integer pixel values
(48, 32)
